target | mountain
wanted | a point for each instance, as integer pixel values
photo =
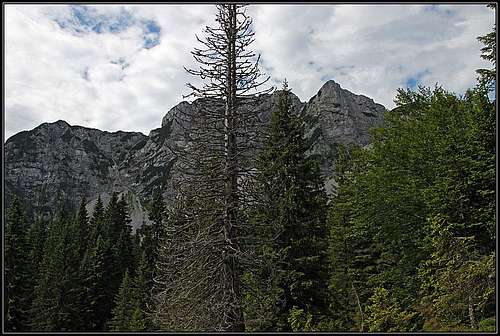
(57, 159)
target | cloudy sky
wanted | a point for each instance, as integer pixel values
(121, 67)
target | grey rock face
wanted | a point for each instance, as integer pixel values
(56, 159)
(335, 116)
(76, 161)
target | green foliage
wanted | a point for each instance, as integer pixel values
(290, 229)
(97, 222)
(56, 297)
(137, 321)
(17, 268)
(384, 314)
(487, 77)
(487, 325)
(129, 304)
(37, 235)
(415, 215)
(122, 313)
(93, 277)
(83, 229)
(300, 320)
(151, 233)
(353, 254)
(78, 267)
(142, 285)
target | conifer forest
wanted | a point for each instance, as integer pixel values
(245, 237)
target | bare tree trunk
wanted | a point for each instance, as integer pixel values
(359, 306)
(231, 190)
(472, 317)
(198, 285)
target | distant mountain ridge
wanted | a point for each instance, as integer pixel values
(73, 161)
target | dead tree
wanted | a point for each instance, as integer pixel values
(198, 275)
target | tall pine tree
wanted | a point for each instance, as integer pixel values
(124, 306)
(292, 236)
(17, 268)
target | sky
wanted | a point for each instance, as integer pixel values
(121, 67)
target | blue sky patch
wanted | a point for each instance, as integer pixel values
(415, 80)
(151, 33)
(85, 19)
(439, 9)
(411, 83)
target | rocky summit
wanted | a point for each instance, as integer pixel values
(59, 160)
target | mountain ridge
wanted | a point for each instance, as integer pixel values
(74, 161)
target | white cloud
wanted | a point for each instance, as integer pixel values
(109, 80)
(373, 50)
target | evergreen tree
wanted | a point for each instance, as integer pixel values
(422, 198)
(487, 77)
(153, 232)
(112, 224)
(83, 227)
(92, 273)
(137, 321)
(142, 285)
(353, 254)
(37, 235)
(291, 214)
(116, 233)
(115, 253)
(136, 248)
(17, 268)
(96, 222)
(124, 306)
(54, 304)
(125, 239)
(384, 313)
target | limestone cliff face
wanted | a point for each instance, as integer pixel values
(334, 117)
(75, 161)
(58, 160)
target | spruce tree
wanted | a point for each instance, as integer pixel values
(137, 321)
(54, 304)
(115, 231)
(124, 306)
(153, 232)
(112, 225)
(96, 222)
(93, 270)
(124, 244)
(142, 284)
(37, 236)
(291, 207)
(83, 227)
(17, 268)
(413, 221)
(487, 77)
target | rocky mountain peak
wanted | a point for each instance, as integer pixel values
(182, 106)
(57, 158)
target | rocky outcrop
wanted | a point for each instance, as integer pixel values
(75, 161)
(58, 160)
(335, 116)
